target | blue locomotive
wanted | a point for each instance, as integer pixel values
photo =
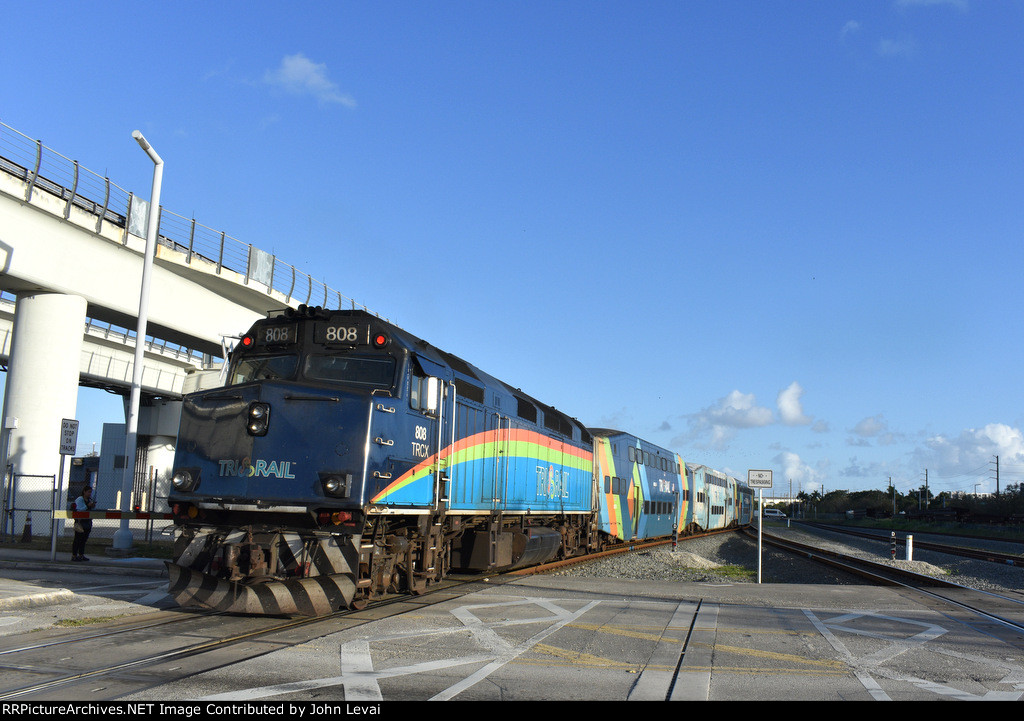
(345, 459)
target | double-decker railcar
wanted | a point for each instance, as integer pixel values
(640, 489)
(345, 458)
(715, 500)
(744, 502)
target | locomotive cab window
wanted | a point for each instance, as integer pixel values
(263, 368)
(372, 371)
(425, 393)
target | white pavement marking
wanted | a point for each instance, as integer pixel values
(361, 681)
(866, 667)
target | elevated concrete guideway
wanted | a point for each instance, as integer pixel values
(71, 253)
(108, 355)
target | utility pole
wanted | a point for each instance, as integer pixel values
(997, 475)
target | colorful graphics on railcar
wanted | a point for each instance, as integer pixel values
(684, 513)
(514, 469)
(639, 486)
(718, 499)
(744, 502)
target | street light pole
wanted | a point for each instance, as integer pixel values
(123, 537)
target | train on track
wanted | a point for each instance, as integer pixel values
(344, 459)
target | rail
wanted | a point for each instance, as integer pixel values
(45, 170)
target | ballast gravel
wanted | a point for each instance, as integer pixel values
(732, 558)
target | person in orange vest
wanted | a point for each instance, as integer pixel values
(83, 526)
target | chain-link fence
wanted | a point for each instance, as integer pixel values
(28, 505)
(30, 501)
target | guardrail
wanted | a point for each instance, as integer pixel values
(45, 170)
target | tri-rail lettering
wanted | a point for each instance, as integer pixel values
(261, 468)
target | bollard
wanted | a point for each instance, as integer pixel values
(910, 548)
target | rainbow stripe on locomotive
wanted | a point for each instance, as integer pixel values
(345, 459)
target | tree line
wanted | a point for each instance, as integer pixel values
(1009, 502)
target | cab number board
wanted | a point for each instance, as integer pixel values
(275, 335)
(341, 333)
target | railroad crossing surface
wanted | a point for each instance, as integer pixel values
(562, 638)
(572, 639)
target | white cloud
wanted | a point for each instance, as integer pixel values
(975, 448)
(738, 410)
(721, 420)
(791, 411)
(794, 470)
(877, 470)
(298, 75)
(851, 27)
(874, 427)
(870, 427)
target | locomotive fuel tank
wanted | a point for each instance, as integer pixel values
(482, 550)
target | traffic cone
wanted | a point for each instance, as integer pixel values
(26, 534)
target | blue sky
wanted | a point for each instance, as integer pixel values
(779, 235)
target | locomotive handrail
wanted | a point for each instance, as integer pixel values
(499, 479)
(440, 430)
(508, 463)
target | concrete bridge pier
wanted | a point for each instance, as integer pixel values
(41, 390)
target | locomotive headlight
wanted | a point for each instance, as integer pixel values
(184, 479)
(259, 419)
(336, 484)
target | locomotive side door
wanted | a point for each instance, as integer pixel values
(502, 489)
(435, 432)
(417, 443)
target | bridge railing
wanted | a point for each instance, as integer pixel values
(45, 170)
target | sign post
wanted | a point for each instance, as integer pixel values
(68, 444)
(759, 480)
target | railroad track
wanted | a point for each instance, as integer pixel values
(980, 554)
(997, 610)
(137, 653)
(153, 649)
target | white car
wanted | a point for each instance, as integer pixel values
(773, 513)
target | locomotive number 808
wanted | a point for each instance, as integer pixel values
(345, 459)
